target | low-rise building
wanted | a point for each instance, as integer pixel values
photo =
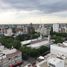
(9, 57)
(55, 62)
(59, 49)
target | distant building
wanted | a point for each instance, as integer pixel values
(18, 31)
(55, 27)
(8, 32)
(62, 28)
(30, 28)
(25, 29)
(43, 30)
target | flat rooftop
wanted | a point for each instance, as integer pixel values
(37, 41)
(37, 44)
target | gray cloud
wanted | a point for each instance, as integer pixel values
(46, 6)
(22, 4)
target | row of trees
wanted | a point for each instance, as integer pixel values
(59, 34)
(32, 52)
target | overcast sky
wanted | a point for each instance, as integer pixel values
(33, 11)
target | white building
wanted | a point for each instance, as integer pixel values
(55, 27)
(60, 28)
(25, 42)
(59, 49)
(55, 62)
(9, 32)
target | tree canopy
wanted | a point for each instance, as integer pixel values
(10, 42)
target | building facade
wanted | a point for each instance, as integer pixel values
(62, 28)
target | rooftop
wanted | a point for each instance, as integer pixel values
(35, 43)
(4, 52)
(38, 44)
(55, 60)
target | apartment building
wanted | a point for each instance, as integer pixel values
(62, 28)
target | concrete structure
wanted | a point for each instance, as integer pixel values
(37, 44)
(43, 30)
(55, 27)
(62, 28)
(30, 41)
(9, 56)
(26, 28)
(59, 49)
(25, 42)
(8, 32)
(55, 62)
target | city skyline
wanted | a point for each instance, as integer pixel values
(33, 11)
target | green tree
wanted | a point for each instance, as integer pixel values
(43, 49)
(58, 39)
(9, 42)
(34, 53)
(16, 44)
